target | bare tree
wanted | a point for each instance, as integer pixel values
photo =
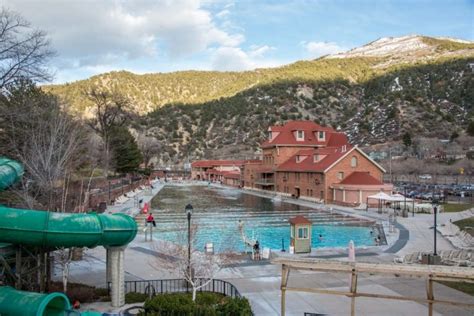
(44, 137)
(24, 51)
(149, 146)
(198, 270)
(110, 110)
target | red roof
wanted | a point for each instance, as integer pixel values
(330, 156)
(360, 178)
(216, 163)
(232, 175)
(286, 134)
(299, 219)
(337, 139)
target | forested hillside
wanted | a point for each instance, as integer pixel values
(375, 93)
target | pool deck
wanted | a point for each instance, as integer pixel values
(260, 281)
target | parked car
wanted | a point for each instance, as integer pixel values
(425, 177)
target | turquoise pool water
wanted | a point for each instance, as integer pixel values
(217, 212)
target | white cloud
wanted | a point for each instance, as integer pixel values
(318, 49)
(236, 59)
(91, 31)
(142, 36)
(259, 51)
(223, 14)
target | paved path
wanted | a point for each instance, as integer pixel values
(260, 282)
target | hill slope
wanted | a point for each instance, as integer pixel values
(375, 93)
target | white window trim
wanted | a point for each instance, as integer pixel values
(307, 232)
(297, 135)
(324, 135)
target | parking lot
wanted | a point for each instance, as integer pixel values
(462, 193)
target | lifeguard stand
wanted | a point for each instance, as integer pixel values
(300, 234)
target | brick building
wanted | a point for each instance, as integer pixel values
(305, 160)
(228, 172)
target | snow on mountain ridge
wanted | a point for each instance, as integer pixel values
(387, 46)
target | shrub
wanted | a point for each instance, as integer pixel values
(81, 292)
(134, 297)
(206, 304)
(235, 307)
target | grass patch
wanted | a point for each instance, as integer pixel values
(465, 287)
(452, 208)
(465, 223)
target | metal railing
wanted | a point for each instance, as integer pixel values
(265, 181)
(155, 287)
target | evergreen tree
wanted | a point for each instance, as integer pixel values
(470, 128)
(407, 139)
(126, 154)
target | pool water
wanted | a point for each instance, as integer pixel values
(217, 212)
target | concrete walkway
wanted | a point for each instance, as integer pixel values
(260, 282)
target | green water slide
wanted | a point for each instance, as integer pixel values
(52, 230)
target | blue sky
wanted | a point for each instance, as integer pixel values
(142, 36)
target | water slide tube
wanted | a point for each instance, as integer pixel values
(51, 229)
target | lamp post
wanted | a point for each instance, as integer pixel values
(405, 213)
(189, 212)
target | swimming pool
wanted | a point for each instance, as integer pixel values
(217, 212)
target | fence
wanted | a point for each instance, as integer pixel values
(154, 287)
(429, 274)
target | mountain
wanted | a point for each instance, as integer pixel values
(375, 93)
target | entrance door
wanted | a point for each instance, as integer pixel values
(297, 192)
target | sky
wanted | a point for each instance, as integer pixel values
(144, 36)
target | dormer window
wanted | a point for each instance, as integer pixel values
(270, 135)
(321, 135)
(316, 158)
(299, 135)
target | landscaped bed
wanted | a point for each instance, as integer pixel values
(209, 304)
(466, 223)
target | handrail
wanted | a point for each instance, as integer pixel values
(429, 273)
(155, 287)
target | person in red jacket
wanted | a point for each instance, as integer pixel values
(151, 219)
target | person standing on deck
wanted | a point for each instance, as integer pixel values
(151, 219)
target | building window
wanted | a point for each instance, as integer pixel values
(321, 135)
(340, 175)
(311, 192)
(300, 135)
(303, 233)
(354, 162)
(297, 176)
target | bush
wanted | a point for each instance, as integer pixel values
(134, 297)
(206, 304)
(81, 292)
(235, 307)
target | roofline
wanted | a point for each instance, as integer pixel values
(307, 171)
(361, 152)
(290, 145)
